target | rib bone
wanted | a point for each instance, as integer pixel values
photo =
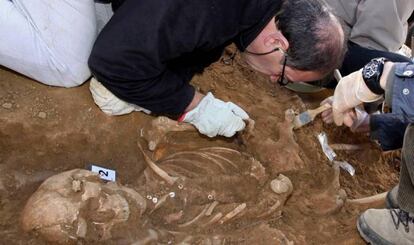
(164, 175)
(213, 220)
(211, 208)
(196, 218)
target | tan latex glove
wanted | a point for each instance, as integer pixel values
(350, 92)
(360, 118)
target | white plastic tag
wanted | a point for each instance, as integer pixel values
(104, 173)
(346, 166)
(323, 140)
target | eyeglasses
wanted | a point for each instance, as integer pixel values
(282, 81)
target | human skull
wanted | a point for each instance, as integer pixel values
(77, 204)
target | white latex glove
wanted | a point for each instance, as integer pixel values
(214, 117)
(350, 92)
(327, 116)
(360, 118)
(360, 121)
(109, 103)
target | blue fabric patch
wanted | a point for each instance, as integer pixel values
(403, 91)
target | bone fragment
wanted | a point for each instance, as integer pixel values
(164, 175)
(187, 240)
(281, 184)
(248, 132)
(213, 220)
(271, 209)
(233, 213)
(211, 208)
(369, 200)
(160, 127)
(173, 217)
(152, 238)
(346, 147)
(160, 202)
(195, 218)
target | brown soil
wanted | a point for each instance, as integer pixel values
(46, 130)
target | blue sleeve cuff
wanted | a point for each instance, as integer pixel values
(388, 130)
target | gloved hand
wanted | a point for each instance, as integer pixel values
(214, 117)
(350, 92)
(327, 116)
(109, 103)
(360, 118)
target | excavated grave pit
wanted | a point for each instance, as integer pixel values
(45, 131)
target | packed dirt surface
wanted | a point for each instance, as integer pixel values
(45, 131)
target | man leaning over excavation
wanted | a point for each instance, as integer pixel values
(146, 55)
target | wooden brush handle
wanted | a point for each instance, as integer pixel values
(313, 113)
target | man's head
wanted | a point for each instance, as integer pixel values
(307, 35)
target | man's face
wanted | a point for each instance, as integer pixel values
(272, 66)
(266, 54)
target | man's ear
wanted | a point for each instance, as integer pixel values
(277, 39)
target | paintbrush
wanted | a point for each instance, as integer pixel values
(308, 116)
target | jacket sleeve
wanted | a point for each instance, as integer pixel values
(381, 24)
(142, 55)
(400, 91)
(389, 128)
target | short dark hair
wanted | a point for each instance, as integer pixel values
(311, 29)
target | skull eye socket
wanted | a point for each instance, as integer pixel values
(95, 211)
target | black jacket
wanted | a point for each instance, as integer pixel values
(150, 49)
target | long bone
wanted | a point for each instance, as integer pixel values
(233, 213)
(164, 175)
(372, 200)
(272, 209)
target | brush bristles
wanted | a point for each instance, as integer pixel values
(302, 119)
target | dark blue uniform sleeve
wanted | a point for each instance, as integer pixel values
(403, 91)
(388, 129)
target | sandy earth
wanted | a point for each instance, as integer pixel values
(46, 130)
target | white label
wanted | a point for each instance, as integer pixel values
(104, 173)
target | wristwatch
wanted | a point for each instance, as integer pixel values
(371, 73)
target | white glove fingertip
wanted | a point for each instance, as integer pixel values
(348, 120)
(234, 129)
(238, 111)
(206, 128)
